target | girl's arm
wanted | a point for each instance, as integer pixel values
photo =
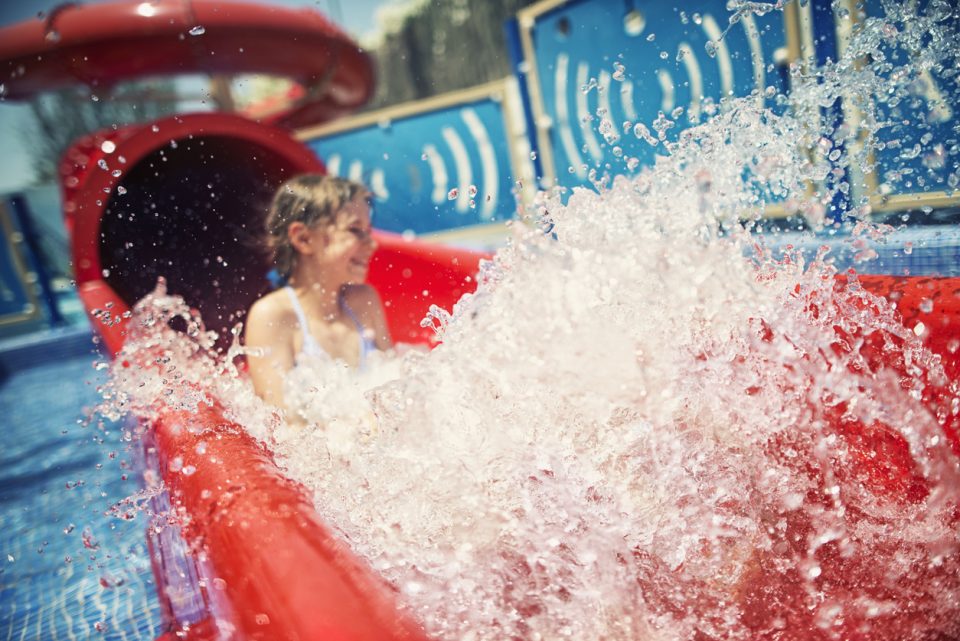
(268, 331)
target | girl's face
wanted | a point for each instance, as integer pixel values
(347, 245)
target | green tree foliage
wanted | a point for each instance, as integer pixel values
(443, 46)
(61, 117)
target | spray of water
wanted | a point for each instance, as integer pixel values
(644, 424)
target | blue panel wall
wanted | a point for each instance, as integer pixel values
(413, 165)
(916, 155)
(667, 64)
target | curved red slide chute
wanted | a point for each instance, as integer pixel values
(102, 44)
(284, 574)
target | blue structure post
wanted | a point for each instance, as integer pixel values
(518, 65)
(826, 49)
(21, 213)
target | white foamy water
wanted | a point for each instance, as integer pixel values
(642, 425)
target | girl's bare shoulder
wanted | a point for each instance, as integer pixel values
(273, 309)
(361, 296)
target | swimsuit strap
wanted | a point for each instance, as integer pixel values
(367, 343)
(310, 344)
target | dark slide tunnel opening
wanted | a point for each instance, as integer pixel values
(192, 212)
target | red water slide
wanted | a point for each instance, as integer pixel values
(272, 570)
(100, 45)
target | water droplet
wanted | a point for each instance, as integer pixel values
(453, 194)
(711, 48)
(926, 306)
(111, 581)
(88, 541)
(197, 31)
(619, 72)
(11, 558)
(121, 190)
(52, 36)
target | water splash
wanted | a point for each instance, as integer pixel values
(646, 424)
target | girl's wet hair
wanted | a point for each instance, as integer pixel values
(311, 199)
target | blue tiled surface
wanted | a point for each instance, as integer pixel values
(58, 475)
(932, 250)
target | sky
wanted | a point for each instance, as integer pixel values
(360, 18)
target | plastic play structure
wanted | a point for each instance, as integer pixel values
(269, 569)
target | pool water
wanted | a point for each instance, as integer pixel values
(67, 571)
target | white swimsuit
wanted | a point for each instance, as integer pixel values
(310, 345)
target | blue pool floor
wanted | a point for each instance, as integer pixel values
(68, 571)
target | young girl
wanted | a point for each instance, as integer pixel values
(318, 230)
